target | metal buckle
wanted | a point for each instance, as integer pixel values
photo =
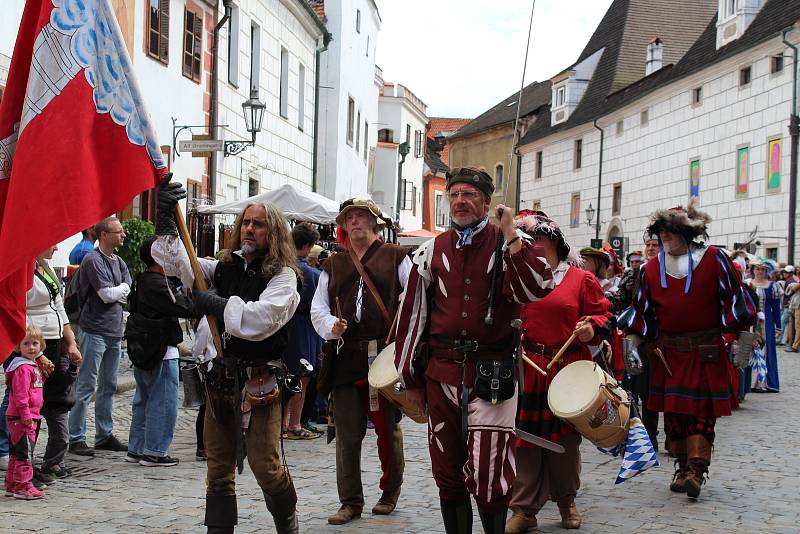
(466, 346)
(495, 384)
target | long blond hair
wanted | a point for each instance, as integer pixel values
(280, 252)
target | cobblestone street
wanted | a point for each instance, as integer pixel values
(753, 485)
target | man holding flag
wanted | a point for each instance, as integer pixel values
(76, 144)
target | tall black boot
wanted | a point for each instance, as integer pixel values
(283, 509)
(221, 514)
(494, 522)
(457, 516)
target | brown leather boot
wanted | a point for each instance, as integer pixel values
(698, 449)
(681, 472)
(521, 522)
(345, 514)
(387, 503)
(570, 518)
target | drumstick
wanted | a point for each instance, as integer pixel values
(562, 350)
(530, 362)
(663, 360)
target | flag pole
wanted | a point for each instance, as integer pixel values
(199, 279)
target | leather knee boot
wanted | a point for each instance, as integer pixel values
(570, 517)
(283, 508)
(457, 516)
(493, 522)
(698, 451)
(221, 514)
(678, 450)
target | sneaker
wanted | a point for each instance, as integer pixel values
(311, 428)
(56, 471)
(81, 449)
(28, 493)
(43, 477)
(133, 457)
(162, 461)
(201, 455)
(3, 463)
(111, 443)
(38, 484)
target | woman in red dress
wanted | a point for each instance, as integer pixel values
(577, 305)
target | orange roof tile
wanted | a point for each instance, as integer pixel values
(447, 125)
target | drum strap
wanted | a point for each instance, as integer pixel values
(372, 289)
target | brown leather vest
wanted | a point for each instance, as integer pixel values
(380, 263)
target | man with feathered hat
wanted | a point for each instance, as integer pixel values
(463, 293)
(356, 299)
(691, 302)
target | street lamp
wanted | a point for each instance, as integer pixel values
(589, 214)
(253, 111)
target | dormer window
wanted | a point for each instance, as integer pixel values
(734, 17)
(569, 87)
(561, 96)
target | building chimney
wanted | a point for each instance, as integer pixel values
(655, 54)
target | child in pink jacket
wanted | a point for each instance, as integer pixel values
(24, 413)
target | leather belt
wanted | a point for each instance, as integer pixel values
(687, 342)
(469, 345)
(362, 345)
(461, 356)
(542, 350)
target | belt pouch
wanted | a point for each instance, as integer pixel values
(494, 380)
(708, 353)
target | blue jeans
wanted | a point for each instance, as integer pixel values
(4, 441)
(154, 409)
(786, 324)
(101, 355)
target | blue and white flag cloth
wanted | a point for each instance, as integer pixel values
(759, 364)
(638, 453)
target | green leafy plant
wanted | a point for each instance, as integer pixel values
(136, 231)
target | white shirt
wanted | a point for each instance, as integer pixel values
(321, 316)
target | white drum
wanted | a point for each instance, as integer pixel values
(383, 377)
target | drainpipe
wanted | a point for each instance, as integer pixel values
(794, 132)
(599, 180)
(214, 111)
(326, 40)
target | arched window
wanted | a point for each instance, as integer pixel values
(386, 135)
(498, 178)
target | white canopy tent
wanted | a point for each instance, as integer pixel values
(297, 205)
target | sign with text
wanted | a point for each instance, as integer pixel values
(210, 145)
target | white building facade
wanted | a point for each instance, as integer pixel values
(398, 188)
(348, 99)
(717, 134)
(267, 48)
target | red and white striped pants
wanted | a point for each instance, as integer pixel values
(484, 466)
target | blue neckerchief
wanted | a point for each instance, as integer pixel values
(465, 236)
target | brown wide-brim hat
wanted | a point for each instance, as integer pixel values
(589, 252)
(473, 176)
(359, 203)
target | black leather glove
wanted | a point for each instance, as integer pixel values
(168, 195)
(209, 303)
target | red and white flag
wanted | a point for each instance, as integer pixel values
(76, 144)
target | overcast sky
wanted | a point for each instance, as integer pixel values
(463, 56)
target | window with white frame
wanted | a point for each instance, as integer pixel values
(442, 210)
(351, 119)
(284, 96)
(408, 195)
(561, 96)
(776, 64)
(578, 162)
(233, 46)
(301, 96)
(358, 133)
(418, 137)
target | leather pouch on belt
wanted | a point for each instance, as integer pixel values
(708, 353)
(494, 380)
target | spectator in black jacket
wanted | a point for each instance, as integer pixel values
(156, 304)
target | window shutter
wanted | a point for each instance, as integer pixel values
(163, 42)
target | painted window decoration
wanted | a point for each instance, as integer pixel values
(742, 171)
(575, 210)
(694, 178)
(774, 166)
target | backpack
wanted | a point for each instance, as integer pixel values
(145, 336)
(74, 297)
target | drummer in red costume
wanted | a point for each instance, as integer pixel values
(443, 314)
(577, 304)
(691, 301)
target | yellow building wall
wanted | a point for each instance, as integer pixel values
(489, 149)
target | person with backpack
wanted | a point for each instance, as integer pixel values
(104, 284)
(153, 333)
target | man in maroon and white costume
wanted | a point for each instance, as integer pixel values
(446, 301)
